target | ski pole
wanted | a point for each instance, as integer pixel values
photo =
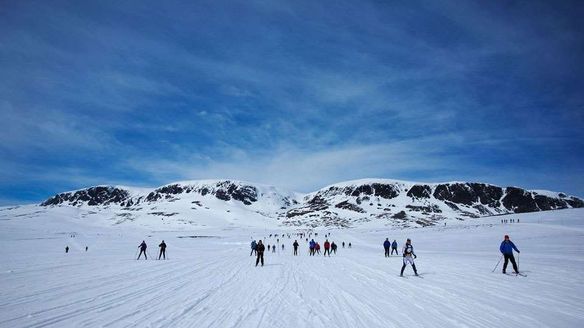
(495, 268)
(135, 254)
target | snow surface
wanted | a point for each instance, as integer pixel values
(211, 281)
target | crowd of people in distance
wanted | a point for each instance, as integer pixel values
(330, 247)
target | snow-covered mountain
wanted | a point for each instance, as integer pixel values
(346, 204)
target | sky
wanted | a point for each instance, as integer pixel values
(296, 94)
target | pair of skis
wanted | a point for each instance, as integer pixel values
(516, 274)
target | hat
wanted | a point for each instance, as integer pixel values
(506, 236)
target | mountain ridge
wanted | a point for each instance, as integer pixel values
(344, 204)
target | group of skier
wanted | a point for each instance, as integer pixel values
(143, 248)
(506, 248)
(387, 244)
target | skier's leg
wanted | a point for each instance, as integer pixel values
(257, 260)
(262, 259)
(402, 269)
(512, 259)
(164, 254)
(505, 263)
(414, 267)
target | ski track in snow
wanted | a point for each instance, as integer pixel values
(214, 282)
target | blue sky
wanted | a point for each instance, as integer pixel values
(297, 94)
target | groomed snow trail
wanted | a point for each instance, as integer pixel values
(212, 282)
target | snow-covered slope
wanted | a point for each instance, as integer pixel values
(369, 202)
(211, 281)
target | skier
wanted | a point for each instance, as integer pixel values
(317, 248)
(142, 247)
(343, 244)
(253, 246)
(408, 252)
(273, 248)
(386, 245)
(312, 246)
(327, 248)
(66, 249)
(394, 247)
(162, 250)
(282, 247)
(506, 249)
(260, 253)
(295, 245)
(349, 245)
(334, 247)
(86, 248)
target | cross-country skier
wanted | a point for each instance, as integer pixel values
(334, 247)
(142, 250)
(317, 248)
(162, 250)
(66, 249)
(312, 246)
(507, 248)
(273, 248)
(260, 251)
(327, 248)
(394, 247)
(386, 245)
(343, 244)
(86, 248)
(295, 245)
(253, 248)
(408, 252)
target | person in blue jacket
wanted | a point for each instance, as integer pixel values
(253, 248)
(507, 248)
(386, 245)
(394, 247)
(312, 246)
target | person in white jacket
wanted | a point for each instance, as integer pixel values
(409, 256)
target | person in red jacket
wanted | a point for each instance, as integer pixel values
(317, 247)
(327, 248)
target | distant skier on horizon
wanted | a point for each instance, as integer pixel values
(142, 247)
(334, 247)
(506, 249)
(66, 249)
(408, 253)
(295, 245)
(327, 248)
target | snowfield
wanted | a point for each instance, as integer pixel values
(210, 279)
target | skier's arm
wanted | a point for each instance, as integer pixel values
(501, 247)
(515, 248)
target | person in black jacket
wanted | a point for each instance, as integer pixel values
(142, 250)
(295, 247)
(162, 250)
(260, 249)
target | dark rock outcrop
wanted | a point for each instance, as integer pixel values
(518, 200)
(101, 195)
(351, 207)
(420, 191)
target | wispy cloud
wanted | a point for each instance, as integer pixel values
(271, 91)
